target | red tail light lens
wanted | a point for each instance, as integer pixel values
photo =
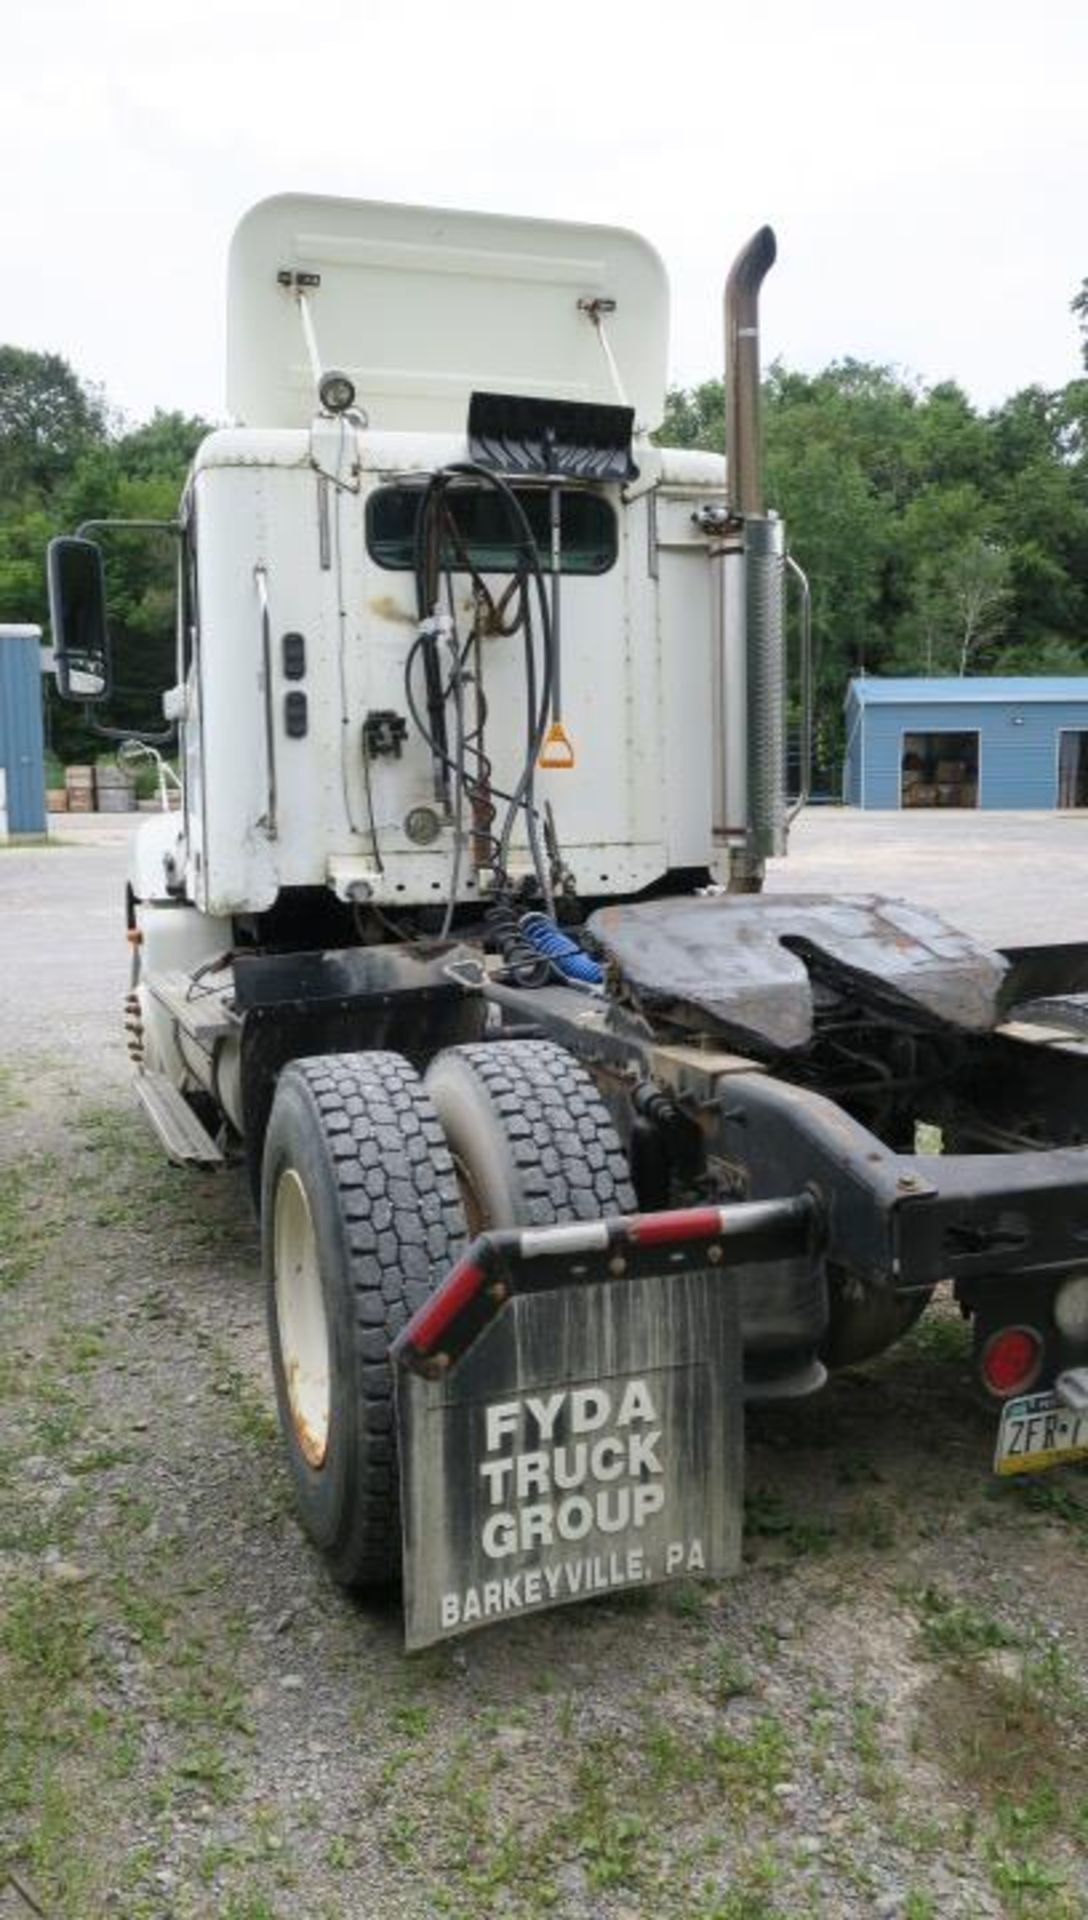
(1011, 1361)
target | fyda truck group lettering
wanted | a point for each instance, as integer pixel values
(605, 1477)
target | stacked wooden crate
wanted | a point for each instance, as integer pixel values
(115, 790)
(79, 786)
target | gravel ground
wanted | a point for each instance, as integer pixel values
(1006, 878)
(883, 1715)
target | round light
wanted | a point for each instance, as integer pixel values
(1071, 1308)
(1011, 1361)
(423, 826)
(336, 391)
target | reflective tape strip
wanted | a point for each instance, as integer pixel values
(580, 1236)
(671, 1228)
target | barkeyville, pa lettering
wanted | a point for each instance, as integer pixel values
(565, 1580)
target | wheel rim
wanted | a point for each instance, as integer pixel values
(477, 1213)
(301, 1319)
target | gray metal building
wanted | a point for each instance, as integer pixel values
(22, 746)
(1000, 743)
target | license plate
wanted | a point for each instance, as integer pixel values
(1037, 1432)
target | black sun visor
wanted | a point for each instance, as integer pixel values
(568, 439)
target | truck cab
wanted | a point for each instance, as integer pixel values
(458, 939)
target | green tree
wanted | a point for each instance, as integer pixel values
(161, 448)
(938, 538)
(980, 594)
(1079, 306)
(694, 418)
(1053, 653)
(98, 472)
(48, 417)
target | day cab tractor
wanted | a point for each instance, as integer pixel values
(567, 1141)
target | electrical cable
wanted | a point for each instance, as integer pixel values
(523, 791)
(360, 909)
(525, 965)
(522, 795)
(379, 864)
(457, 685)
(436, 527)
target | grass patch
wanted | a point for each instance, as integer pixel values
(253, 1418)
(940, 1337)
(128, 1185)
(1000, 1740)
(866, 1723)
(742, 1902)
(26, 1230)
(767, 1517)
(488, 1851)
(954, 1631)
(11, 1100)
(920, 1906)
(727, 1678)
(210, 1771)
(996, 1719)
(871, 1524)
(1055, 1495)
(45, 1661)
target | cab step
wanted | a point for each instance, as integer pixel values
(203, 1013)
(179, 1132)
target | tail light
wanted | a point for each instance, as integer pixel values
(1011, 1361)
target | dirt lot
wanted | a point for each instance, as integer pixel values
(885, 1715)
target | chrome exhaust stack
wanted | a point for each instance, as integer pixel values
(749, 814)
(744, 478)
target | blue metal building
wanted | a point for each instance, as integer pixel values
(995, 743)
(22, 747)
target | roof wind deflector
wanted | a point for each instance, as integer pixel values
(566, 439)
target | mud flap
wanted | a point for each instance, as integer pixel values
(590, 1441)
(569, 1414)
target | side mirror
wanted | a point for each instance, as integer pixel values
(77, 613)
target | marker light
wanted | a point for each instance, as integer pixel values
(1011, 1360)
(1071, 1308)
(336, 391)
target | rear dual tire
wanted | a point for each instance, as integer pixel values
(532, 1140)
(360, 1219)
(372, 1182)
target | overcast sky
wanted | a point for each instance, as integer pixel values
(925, 165)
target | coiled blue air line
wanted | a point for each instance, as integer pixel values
(570, 960)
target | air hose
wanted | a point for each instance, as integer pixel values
(568, 957)
(523, 963)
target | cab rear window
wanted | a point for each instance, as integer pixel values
(485, 536)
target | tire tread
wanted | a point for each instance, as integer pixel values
(402, 1226)
(566, 1151)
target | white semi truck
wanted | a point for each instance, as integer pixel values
(565, 1139)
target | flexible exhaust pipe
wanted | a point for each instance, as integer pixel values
(744, 474)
